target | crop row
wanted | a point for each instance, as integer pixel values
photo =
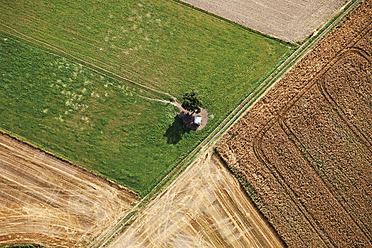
(304, 147)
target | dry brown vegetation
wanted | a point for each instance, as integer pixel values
(50, 202)
(204, 207)
(305, 148)
(290, 20)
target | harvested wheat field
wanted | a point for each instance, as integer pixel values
(305, 148)
(50, 202)
(289, 20)
(204, 207)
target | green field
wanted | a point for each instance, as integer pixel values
(102, 123)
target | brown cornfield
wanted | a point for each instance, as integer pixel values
(305, 148)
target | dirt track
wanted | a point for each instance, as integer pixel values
(291, 20)
(305, 147)
(204, 207)
(46, 201)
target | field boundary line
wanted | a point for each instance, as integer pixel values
(283, 67)
(90, 65)
(237, 112)
(189, 5)
(279, 119)
(97, 61)
(234, 115)
(73, 165)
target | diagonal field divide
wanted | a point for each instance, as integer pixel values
(211, 139)
(233, 116)
(100, 70)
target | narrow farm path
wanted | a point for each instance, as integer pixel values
(234, 115)
(175, 103)
(106, 237)
(110, 74)
(186, 116)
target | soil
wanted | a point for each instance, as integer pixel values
(50, 202)
(188, 118)
(289, 20)
(305, 148)
(204, 207)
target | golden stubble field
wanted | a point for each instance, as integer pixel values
(204, 207)
(305, 147)
(47, 201)
(289, 20)
(50, 202)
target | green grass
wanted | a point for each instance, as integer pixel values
(163, 44)
(160, 43)
(94, 121)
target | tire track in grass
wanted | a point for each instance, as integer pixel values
(85, 39)
(233, 117)
(90, 65)
(217, 132)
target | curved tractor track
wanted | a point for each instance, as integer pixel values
(75, 215)
(305, 147)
